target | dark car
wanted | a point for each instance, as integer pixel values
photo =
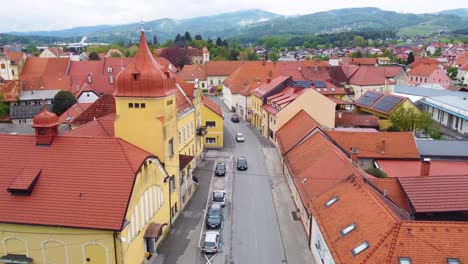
(241, 163)
(220, 169)
(235, 118)
(214, 217)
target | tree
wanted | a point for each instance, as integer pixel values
(376, 172)
(233, 54)
(94, 56)
(115, 55)
(452, 72)
(168, 43)
(411, 120)
(187, 36)
(410, 58)
(62, 101)
(248, 54)
(176, 55)
(219, 42)
(155, 40)
(359, 41)
(4, 109)
(198, 37)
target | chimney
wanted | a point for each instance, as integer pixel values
(383, 147)
(354, 155)
(425, 166)
(90, 80)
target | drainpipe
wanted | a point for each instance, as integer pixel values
(168, 180)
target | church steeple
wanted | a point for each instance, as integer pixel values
(145, 77)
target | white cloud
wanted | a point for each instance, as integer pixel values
(28, 15)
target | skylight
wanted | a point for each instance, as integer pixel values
(404, 260)
(360, 248)
(453, 261)
(331, 201)
(348, 229)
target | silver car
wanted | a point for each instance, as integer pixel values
(219, 197)
(240, 137)
(211, 244)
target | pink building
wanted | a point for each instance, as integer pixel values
(428, 74)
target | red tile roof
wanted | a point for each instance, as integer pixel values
(423, 60)
(392, 189)
(212, 106)
(10, 90)
(364, 61)
(331, 89)
(356, 120)
(269, 85)
(184, 160)
(374, 75)
(270, 109)
(192, 72)
(14, 56)
(401, 168)
(221, 68)
(45, 73)
(462, 59)
(77, 186)
(377, 145)
(437, 193)
(103, 106)
(101, 127)
(423, 70)
(72, 112)
(295, 130)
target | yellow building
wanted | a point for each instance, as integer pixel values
(80, 199)
(109, 190)
(213, 120)
(383, 105)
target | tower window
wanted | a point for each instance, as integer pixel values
(130, 105)
(136, 76)
(137, 105)
(143, 105)
(169, 102)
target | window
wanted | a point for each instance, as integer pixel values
(13, 72)
(210, 123)
(2, 66)
(404, 260)
(169, 102)
(137, 105)
(211, 82)
(109, 69)
(210, 140)
(136, 76)
(360, 248)
(172, 183)
(203, 85)
(180, 136)
(171, 147)
(453, 261)
(331, 201)
(130, 105)
(219, 81)
(347, 229)
(143, 105)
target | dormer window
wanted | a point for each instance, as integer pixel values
(24, 183)
(136, 76)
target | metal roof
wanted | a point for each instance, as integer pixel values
(426, 92)
(442, 148)
(37, 95)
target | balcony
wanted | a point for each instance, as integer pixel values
(201, 131)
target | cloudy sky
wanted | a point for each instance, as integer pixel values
(29, 15)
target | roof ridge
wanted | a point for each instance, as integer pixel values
(119, 140)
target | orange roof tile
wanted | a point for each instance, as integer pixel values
(364, 61)
(356, 120)
(221, 68)
(377, 145)
(393, 190)
(212, 106)
(72, 112)
(374, 75)
(14, 56)
(66, 193)
(101, 127)
(10, 90)
(296, 129)
(103, 106)
(462, 59)
(406, 168)
(269, 85)
(45, 73)
(423, 60)
(192, 72)
(423, 70)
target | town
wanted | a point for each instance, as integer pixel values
(208, 150)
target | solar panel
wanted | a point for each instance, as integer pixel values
(387, 103)
(319, 84)
(368, 98)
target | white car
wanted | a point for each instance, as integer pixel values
(219, 197)
(211, 244)
(240, 137)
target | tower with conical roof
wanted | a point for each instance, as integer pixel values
(46, 125)
(146, 108)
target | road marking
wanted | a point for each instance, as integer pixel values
(189, 234)
(206, 207)
(209, 259)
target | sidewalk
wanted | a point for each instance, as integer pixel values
(293, 235)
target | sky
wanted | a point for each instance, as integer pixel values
(33, 15)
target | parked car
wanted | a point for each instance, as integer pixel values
(220, 169)
(235, 119)
(240, 137)
(211, 243)
(219, 197)
(214, 217)
(241, 163)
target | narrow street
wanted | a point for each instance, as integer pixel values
(258, 224)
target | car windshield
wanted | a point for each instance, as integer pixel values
(213, 213)
(239, 134)
(210, 244)
(242, 160)
(218, 195)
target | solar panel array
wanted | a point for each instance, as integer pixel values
(319, 84)
(387, 103)
(368, 98)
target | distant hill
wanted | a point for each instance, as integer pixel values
(250, 25)
(459, 12)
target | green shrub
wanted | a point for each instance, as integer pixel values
(204, 91)
(376, 172)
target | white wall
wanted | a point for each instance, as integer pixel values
(5, 73)
(319, 247)
(87, 97)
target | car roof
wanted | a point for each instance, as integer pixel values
(210, 236)
(215, 206)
